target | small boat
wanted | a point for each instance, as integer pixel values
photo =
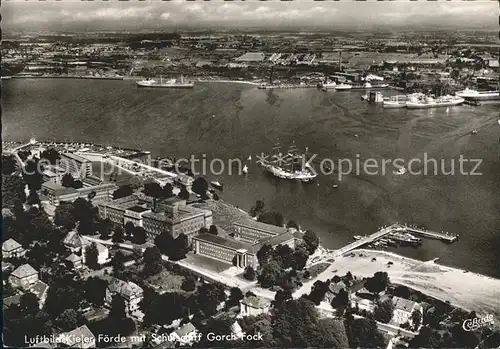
(474, 132)
(364, 97)
(249, 158)
(357, 237)
(335, 186)
(217, 185)
(245, 169)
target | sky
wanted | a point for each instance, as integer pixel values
(71, 15)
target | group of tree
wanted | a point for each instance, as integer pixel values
(153, 263)
(123, 191)
(378, 282)
(200, 187)
(272, 217)
(80, 212)
(68, 181)
(155, 190)
(134, 233)
(9, 165)
(383, 311)
(176, 249)
(257, 209)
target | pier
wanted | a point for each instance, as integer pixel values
(430, 234)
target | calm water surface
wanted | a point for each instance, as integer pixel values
(248, 121)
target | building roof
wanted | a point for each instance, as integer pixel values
(336, 287)
(39, 288)
(57, 188)
(255, 302)
(403, 304)
(74, 240)
(10, 245)
(23, 271)
(252, 56)
(101, 248)
(253, 224)
(73, 258)
(12, 300)
(219, 240)
(75, 157)
(126, 289)
(185, 330)
(82, 332)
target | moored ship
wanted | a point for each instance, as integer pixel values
(343, 87)
(395, 101)
(429, 102)
(170, 83)
(288, 166)
(474, 95)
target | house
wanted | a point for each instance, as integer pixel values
(102, 254)
(80, 337)
(12, 248)
(185, 335)
(253, 306)
(74, 242)
(40, 289)
(131, 293)
(74, 261)
(24, 277)
(403, 309)
(11, 301)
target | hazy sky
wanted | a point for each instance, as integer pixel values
(71, 15)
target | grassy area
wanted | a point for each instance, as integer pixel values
(317, 269)
(165, 281)
(207, 263)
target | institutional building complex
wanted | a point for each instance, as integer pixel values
(77, 165)
(157, 216)
(249, 238)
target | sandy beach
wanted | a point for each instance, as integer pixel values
(470, 291)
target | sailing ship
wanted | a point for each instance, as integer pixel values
(288, 165)
(217, 185)
(245, 169)
(170, 83)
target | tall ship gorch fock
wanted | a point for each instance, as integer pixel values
(169, 83)
(288, 165)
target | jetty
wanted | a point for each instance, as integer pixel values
(430, 234)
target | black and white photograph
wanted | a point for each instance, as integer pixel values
(250, 174)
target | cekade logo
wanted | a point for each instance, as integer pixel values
(476, 323)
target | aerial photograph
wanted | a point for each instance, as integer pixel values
(250, 174)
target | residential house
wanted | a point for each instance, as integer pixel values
(75, 242)
(24, 277)
(403, 309)
(74, 261)
(131, 293)
(185, 335)
(40, 289)
(102, 254)
(80, 337)
(253, 306)
(12, 248)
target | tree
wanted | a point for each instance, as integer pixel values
(118, 235)
(202, 230)
(300, 257)
(122, 192)
(189, 283)
(9, 164)
(95, 290)
(426, 338)
(117, 309)
(292, 224)
(257, 209)
(140, 235)
(283, 254)
(51, 154)
(165, 243)
(33, 198)
(213, 230)
(311, 240)
(63, 215)
(402, 291)
(167, 190)
(28, 304)
(67, 180)
(129, 229)
(77, 184)
(32, 174)
(12, 190)
(153, 189)
(181, 247)
(341, 300)
(234, 297)
(249, 273)
(378, 282)
(416, 318)
(383, 311)
(105, 228)
(183, 194)
(364, 333)
(200, 187)
(271, 275)
(273, 218)
(318, 292)
(280, 297)
(118, 263)
(68, 320)
(152, 261)
(207, 298)
(92, 256)
(264, 254)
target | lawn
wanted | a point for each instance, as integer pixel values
(207, 263)
(165, 281)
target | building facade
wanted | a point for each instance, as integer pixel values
(249, 230)
(12, 248)
(131, 293)
(77, 165)
(57, 193)
(24, 277)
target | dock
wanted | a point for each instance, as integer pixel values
(394, 228)
(431, 234)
